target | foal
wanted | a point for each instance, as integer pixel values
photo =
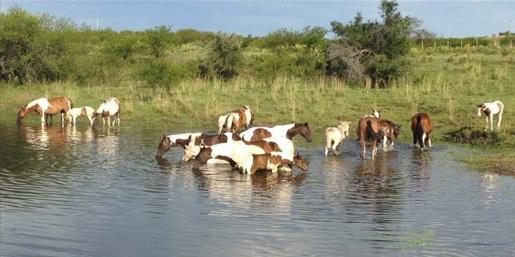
(334, 137)
(86, 111)
(45, 108)
(241, 117)
(369, 130)
(422, 127)
(390, 131)
(490, 109)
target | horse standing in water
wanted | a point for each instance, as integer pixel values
(86, 111)
(369, 130)
(422, 127)
(107, 109)
(242, 117)
(45, 108)
(288, 131)
(490, 109)
(390, 131)
(334, 137)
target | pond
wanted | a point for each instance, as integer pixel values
(84, 192)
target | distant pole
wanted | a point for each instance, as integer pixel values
(98, 24)
(449, 34)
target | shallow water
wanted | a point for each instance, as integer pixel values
(100, 192)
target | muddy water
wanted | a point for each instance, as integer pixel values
(86, 192)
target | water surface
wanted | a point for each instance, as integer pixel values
(83, 192)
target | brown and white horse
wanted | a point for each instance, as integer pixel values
(489, 110)
(84, 111)
(275, 160)
(369, 130)
(241, 117)
(422, 127)
(390, 132)
(46, 107)
(167, 142)
(288, 131)
(107, 109)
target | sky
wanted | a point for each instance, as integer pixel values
(466, 18)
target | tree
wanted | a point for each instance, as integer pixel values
(158, 39)
(386, 43)
(224, 58)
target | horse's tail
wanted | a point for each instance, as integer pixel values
(228, 122)
(370, 133)
(419, 131)
(501, 107)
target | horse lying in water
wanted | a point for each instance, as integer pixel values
(46, 108)
(275, 160)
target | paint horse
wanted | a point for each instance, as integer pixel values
(374, 113)
(422, 127)
(491, 109)
(46, 108)
(169, 141)
(84, 111)
(390, 132)
(275, 160)
(196, 141)
(242, 117)
(238, 154)
(334, 137)
(369, 130)
(288, 131)
(107, 109)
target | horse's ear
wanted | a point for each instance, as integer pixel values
(480, 105)
(306, 124)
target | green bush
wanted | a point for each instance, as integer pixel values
(224, 59)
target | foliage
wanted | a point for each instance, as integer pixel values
(386, 41)
(158, 39)
(224, 59)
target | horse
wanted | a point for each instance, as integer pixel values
(374, 113)
(241, 117)
(422, 127)
(287, 131)
(274, 160)
(86, 111)
(238, 154)
(369, 130)
(390, 131)
(169, 141)
(334, 137)
(198, 140)
(490, 109)
(108, 108)
(46, 107)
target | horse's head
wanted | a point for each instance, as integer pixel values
(203, 155)
(300, 162)
(480, 108)
(164, 146)
(21, 114)
(304, 130)
(376, 114)
(96, 116)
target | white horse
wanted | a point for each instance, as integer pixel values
(490, 109)
(107, 109)
(86, 111)
(334, 137)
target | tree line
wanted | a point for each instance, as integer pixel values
(42, 48)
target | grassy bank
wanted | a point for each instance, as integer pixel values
(446, 85)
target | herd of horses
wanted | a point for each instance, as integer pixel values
(255, 148)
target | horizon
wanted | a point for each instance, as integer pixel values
(262, 17)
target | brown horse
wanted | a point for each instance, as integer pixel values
(369, 130)
(422, 127)
(390, 132)
(46, 107)
(273, 161)
(241, 117)
(209, 140)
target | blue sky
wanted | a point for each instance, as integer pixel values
(468, 18)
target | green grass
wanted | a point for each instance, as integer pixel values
(446, 85)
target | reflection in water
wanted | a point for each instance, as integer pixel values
(74, 191)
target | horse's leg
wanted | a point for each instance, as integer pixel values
(391, 144)
(43, 117)
(108, 121)
(486, 122)
(422, 143)
(374, 149)
(499, 119)
(429, 141)
(491, 122)
(328, 142)
(385, 139)
(337, 147)
(363, 148)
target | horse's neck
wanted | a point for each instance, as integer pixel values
(283, 130)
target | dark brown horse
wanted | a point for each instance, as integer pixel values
(46, 107)
(369, 130)
(422, 127)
